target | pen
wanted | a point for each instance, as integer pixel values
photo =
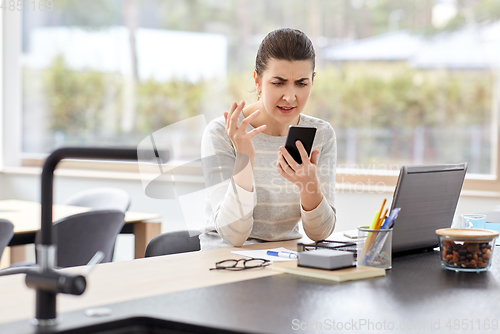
(287, 255)
(390, 220)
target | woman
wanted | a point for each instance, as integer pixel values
(256, 190)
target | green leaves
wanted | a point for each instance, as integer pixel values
(392, 95)
(77, 101)
(385, 95)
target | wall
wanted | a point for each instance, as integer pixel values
(355, 209)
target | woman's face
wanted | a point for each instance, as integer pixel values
(285, 87)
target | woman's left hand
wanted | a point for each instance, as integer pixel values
(303, 175)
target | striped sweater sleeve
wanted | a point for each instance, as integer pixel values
(231, 207)
(319, 223)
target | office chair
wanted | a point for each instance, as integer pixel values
(101, 199)
(6, 234)
(78, 237)
(173, 243)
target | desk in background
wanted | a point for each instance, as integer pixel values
(416, 294)
(25, 216)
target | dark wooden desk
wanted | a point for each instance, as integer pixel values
(416, 296)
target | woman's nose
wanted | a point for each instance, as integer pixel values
(289, 95)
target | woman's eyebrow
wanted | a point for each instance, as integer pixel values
(298, 80)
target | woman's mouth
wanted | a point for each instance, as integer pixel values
(286, 110)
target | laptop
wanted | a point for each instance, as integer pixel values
(428, 197)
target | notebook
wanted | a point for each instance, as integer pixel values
(339, 275)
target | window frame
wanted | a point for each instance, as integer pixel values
(1, 90)
(10, 85)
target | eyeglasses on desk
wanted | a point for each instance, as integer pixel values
(249, 263)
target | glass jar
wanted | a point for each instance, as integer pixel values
(466, 249)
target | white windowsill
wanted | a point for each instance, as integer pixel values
(340, 188)
(77, 173)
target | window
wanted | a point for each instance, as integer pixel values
(402, 82)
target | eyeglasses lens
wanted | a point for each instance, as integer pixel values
(254, 263)
(227, 264)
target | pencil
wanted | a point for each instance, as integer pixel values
(381, 220)
(382, 210)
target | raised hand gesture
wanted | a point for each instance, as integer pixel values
(242, 140)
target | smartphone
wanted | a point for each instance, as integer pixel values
(306, 136)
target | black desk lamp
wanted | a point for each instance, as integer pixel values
(48, 282)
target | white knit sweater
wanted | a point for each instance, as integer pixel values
(272, 210)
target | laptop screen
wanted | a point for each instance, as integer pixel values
(428, 197)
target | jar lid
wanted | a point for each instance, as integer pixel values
(467, 233)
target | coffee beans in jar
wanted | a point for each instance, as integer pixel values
(461, 254)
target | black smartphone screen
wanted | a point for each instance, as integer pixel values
(306, 136)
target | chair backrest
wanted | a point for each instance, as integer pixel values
(173, 242)
(6, 234)
(101, 199)
(80, 236)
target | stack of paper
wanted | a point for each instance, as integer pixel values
(262, 254)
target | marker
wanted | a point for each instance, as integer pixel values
(287, 255)
(369, 238)
(375, 219)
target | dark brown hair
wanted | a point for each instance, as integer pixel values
(284, 44)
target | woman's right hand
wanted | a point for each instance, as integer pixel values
(242, 140)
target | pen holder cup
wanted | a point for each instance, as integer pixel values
(374, 247)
